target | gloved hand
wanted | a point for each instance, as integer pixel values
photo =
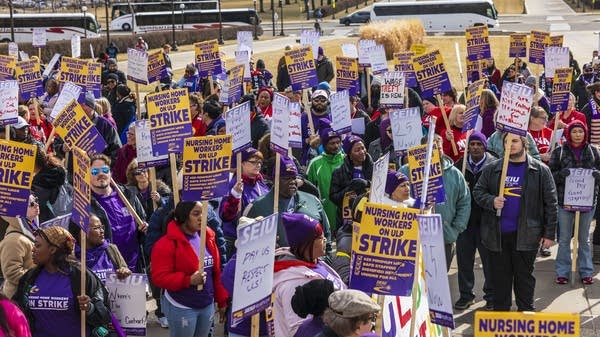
(358, 184)
(564, 173)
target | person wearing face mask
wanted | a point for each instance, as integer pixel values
(290, 200)
(174, 267)
(297, 263)
(576, 152)
(351, 313)
(580, 91)
(16, 247)
(350, 179)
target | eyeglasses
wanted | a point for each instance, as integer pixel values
(255, 162)
(95, 171)
(139, 171)
(97, 228)
(319, 99)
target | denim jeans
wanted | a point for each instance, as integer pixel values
(188, 322)
(566, 222)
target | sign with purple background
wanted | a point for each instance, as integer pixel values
(384, 251)
(208, 58)
(157, 67)
(478, 44)
(170, 120)
(17, 161)
(29, 76)
(206, 164)
(431, 74)
(403, 63)
(94, 83)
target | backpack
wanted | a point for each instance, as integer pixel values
(63, 204)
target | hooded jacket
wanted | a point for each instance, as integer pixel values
(15, 254)
(289, 274)
(564, 157)
(46, 185)
(319, 172)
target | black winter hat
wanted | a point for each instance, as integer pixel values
(212, 108)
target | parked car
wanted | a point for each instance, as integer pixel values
(356, 17)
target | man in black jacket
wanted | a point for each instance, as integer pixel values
(528, 219)
(469, 241)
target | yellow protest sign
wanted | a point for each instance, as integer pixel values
(518, 45)
(538, 41)
(170, 120)
(94, 79)
(208, 59)
(431, 73)
(29, 76)
(561, 89)
(556, 41)
(385, 253)
(494, 324)
(346, 74)
(301, 67)
(7, 66)
(403, 62)
(156, 66)
(417, 157)
(206, 164)
(418, 48)
(81, 188)
(73, 70)
(478, 43)
(76, 129)
(17, 161)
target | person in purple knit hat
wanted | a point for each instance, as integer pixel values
(295, 266)
(251, 187)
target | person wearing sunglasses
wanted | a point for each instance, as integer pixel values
(138, 181)
(50, 293)
(251, 187)
(120, 227)
(16, 247)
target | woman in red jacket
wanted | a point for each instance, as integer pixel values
(174, 267)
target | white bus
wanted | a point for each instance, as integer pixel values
(185, 20)
(58, 26)
(439, 15)
(124, 8)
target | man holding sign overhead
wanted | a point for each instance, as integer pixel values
(514, 237)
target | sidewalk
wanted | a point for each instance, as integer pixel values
(547, 7)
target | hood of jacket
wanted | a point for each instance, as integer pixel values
(50, 177)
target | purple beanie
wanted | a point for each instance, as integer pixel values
(300, 229)
(394, 179)
(349, 143)
(247, 153)
(327, 134)
(476, 135)
(288, 167)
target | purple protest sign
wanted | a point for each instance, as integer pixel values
(206, 164)
(384, 252)
(208, 59)
(29, 76)
(473, 96)
(478, 44)
(157, 67)
(17, 161)
(94, 83)
(403, 63)
(417, 162)
(346, 74)
(170, 121)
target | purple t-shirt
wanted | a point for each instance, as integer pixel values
(513, 191)
(124, 230)
(191, 297)
(357, 173)
(53, 306)
(99, 263)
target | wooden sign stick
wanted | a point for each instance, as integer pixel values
(447, 123)
(575, 248)
(204, 221)
(507, 142)
(83, 313)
